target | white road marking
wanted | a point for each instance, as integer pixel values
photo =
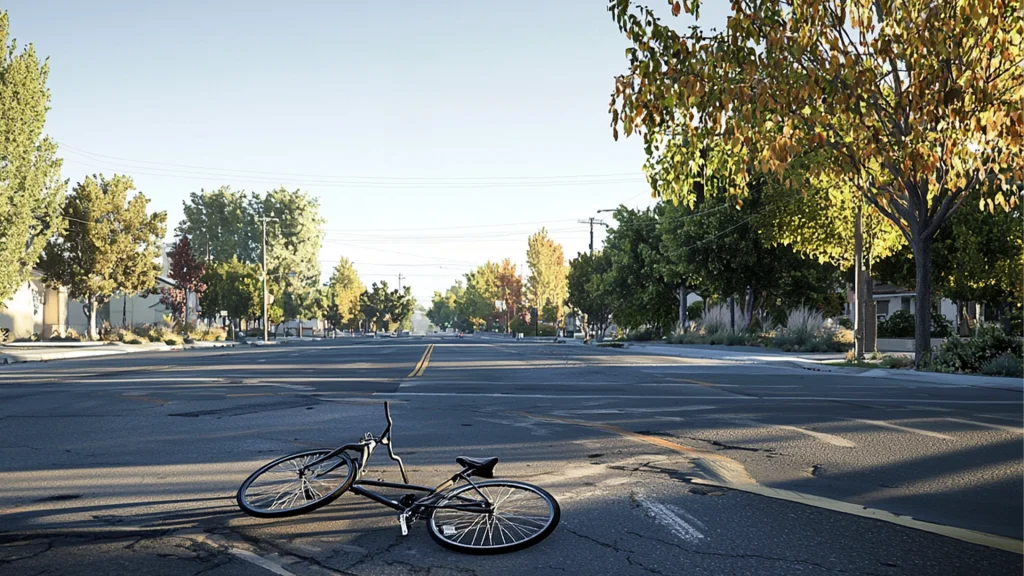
(633, 410)
(988, 425)
(826, 438)
(261, 562)
(722, 398)
(667, 517)
(881, 424)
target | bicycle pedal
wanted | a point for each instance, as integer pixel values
(405, 525)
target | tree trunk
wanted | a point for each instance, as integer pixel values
(124, 310)
(92, 318)
(682, 307)
(922, 248)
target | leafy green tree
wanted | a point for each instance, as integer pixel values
(640, 294)
(384, 308)
(546, 286)
(220, 226)
(726, 255)
(108, 239)
(589, 293)
(483, 289)
(443, 311)
(31, 190)
(236, 288)
(344, 289)
(293, 246)
(917, 104)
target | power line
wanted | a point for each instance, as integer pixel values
(98, 161)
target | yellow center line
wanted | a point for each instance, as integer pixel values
(422, 364)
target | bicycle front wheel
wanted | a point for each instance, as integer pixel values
(292, 485)
(521, 515)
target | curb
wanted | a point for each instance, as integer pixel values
(108, 350)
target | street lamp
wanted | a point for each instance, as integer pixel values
(266, 304)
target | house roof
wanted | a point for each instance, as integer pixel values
(890, 290)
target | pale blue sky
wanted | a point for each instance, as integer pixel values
(312, 95)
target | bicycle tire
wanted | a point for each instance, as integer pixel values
(308, 505)
(437, 532)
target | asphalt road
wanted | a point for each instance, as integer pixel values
(662, 465)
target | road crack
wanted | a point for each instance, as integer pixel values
(748, 556)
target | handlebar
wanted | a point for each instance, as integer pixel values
(385, 439)
(387, 414)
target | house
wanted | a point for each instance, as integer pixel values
(43, 311)
(888, 299)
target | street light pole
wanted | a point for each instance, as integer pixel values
(265, 293)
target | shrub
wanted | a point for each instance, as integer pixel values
(132, 338)
(851, 355)
(897, 361)
(715, 320)
(204, 334)
(32, 338)
(70, 335)
(695, 311)
(739, 339)
(610, 345)
(4, 335)
(172, 339)
(971, 354)
(900, 324)
(1005, 364)
(109, 333)
(845, 322)
(802, 326)
(644, 335)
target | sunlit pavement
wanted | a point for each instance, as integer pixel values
(128, 465)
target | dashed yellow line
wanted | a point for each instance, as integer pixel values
(422, 364)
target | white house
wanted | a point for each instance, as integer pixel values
(37, 309)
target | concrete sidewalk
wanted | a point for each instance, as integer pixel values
(39, 352)
(816, 362)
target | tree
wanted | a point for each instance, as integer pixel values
(723, 252)
(640, 294)
(107, 235)
(443, 310)
(344, 289)
(476, 304)
(235, 288)
(510, 287)
(293, 246)
(917, 104)
(547, 284)
(386, 309)
(220, 226)
(31, 190)
(186, 271)
(589, 292)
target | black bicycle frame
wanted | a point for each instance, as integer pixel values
(366, 448)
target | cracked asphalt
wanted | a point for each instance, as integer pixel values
(662, 465)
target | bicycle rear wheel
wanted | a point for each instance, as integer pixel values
(290, 486)
(521, 516)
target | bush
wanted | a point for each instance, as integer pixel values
(960, 355)
(172, 339)
(108, 333)
(70, 335)
(610, 345)
(715, 320)
(644, 335)
(897, 361)
(32, 338)
(845, 322)
(132, 338)
(900, 324)
(802, 327)
(204, 334)
(695, 311)
(1004, 365)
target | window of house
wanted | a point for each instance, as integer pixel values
(882, 308)
(905, 303)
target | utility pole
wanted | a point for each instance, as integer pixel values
(266, 294)
(858, 283)
(400, 280)
(592, 221)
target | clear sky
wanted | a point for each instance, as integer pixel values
(436, 135)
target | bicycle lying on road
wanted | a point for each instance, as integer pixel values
(477, 517)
